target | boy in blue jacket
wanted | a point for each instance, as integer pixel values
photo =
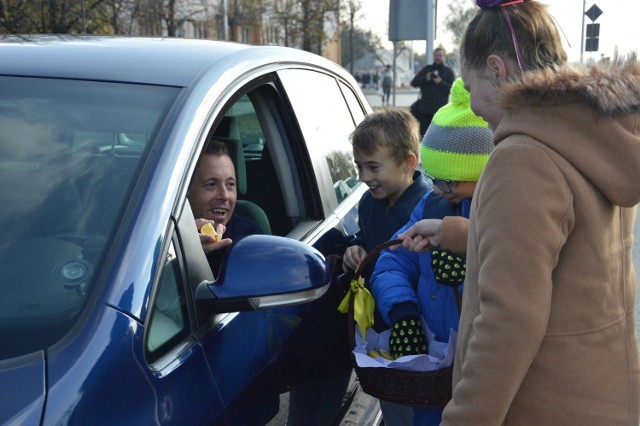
(386, 148)
(407, 285)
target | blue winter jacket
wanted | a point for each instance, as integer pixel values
(403, 283)
(396, 273)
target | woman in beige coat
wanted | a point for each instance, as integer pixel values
(547, 334)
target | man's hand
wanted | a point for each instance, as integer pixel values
(352, 258)
(422, 236)
(208, 242)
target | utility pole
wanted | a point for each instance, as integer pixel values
(431, 30)
(225, 19)
(584, 6)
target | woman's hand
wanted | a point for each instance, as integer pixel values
(422, 236)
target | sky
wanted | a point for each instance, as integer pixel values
(619, 24)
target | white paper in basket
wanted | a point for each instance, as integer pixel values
(440, 354)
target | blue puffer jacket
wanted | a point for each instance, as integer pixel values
(394, 279)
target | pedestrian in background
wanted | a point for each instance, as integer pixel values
(387, 81)
(434, 82)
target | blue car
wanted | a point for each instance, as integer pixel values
(110, 313)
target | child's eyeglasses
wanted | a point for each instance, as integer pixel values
(444, 185)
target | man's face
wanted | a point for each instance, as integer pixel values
(213, 192)
(438, 57)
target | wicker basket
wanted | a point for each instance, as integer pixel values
(427, 389)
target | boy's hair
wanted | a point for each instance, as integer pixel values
(394, 128)
(534, 29)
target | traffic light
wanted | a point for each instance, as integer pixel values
(591, 42)
(593, 30)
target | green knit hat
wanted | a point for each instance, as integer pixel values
(457, 143)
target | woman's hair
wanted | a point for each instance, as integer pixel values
(526, 26)
(394, 128)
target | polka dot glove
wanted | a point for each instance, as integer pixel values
(407, 338)
(449, 268)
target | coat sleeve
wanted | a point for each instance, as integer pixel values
(396, 273)
(419, 79)
(522, 218)
(454, 233)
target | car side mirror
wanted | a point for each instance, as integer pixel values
(265, 271)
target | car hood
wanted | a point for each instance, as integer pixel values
(22, 386)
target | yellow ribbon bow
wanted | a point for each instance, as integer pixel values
(363, 305)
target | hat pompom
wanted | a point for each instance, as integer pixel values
(457, 144)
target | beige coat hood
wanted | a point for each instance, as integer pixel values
(606, 151)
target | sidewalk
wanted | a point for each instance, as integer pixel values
(403, 97)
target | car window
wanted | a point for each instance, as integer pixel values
(69, 153)
(168, 321)
(241, 122)
(266, 182)
(326, 118)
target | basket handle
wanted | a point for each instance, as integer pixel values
(356, 275)
(372, 254)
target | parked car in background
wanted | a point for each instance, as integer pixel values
(110, 313)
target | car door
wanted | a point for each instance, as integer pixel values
(293, 178)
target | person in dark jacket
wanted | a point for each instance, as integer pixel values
(434, 82)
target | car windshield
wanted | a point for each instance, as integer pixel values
(69, 155)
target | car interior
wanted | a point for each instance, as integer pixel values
(260, 189)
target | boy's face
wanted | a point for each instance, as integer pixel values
(459, 191)
(213, 192)
(384, 177)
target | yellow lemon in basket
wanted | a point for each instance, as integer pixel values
(208, 229)
(386, 355)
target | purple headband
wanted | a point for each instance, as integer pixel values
(494, 4)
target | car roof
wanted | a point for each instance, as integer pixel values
(164, 61)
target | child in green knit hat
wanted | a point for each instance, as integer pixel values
(457, 144)
(410, 287)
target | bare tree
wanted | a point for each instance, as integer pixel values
(301, 23)
(352, 9)
(168, 17)
(18, 17)
(358, 43)
(458, 18)
(241, 13)
(284, 23)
